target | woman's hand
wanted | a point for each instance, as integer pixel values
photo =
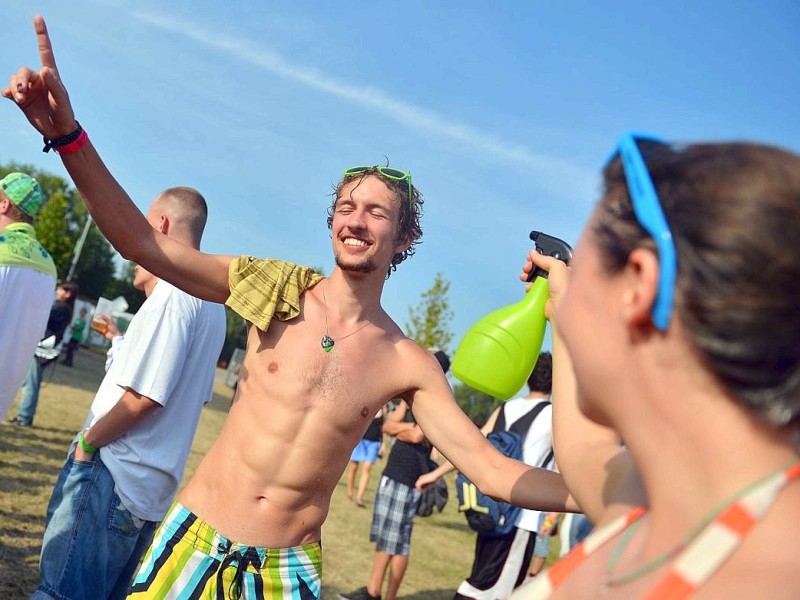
(557, 279)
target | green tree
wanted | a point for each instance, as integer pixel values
(53, 230)
(58, 227)
(476, 405)
(430, 320)
(235, 334)
(430, 327)
(96, 268)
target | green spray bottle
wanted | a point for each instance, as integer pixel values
(498, 353)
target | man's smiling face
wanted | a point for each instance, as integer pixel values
(365, 225)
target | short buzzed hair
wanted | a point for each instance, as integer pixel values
(187, 209)
(15, 213)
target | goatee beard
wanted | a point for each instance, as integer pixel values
(365, 266)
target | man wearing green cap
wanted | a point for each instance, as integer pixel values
(27, 281)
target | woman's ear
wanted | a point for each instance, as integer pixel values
(641, 286)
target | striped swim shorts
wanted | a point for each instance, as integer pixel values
(189, 559)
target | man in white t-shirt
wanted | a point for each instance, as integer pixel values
(124, 468)
(501, 562)
(27, 282)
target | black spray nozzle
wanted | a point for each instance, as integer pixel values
(549, 246)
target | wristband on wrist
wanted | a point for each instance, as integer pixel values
(72, 142)
(84, 445)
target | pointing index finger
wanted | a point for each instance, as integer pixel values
(46, 55)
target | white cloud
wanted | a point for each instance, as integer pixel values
(416, 117)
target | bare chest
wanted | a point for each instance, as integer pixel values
(289, 366)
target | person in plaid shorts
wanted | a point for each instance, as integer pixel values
(396, 501)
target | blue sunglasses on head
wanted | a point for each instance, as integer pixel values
(648, 211)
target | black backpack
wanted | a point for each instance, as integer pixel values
(433, 496)
(488, 516)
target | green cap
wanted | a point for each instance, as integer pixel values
(24, 192)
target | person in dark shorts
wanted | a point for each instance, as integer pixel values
(396, 501)
(365, 454)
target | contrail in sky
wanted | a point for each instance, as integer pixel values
(369, 97)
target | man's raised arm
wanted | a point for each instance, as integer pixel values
(44, 100)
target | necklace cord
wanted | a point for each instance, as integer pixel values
(328, 342)
(611, 581)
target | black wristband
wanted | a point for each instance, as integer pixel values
(62, 141)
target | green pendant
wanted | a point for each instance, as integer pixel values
(327, 343)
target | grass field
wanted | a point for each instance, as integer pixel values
(30, 459)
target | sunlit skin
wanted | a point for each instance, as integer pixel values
(590, 298)
(141, 277)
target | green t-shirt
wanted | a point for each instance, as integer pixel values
(77, 330)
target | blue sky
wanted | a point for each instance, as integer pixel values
(504, 112)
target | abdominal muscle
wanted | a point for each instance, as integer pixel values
(268, 479)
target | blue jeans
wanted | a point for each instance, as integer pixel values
(92, 544)
(30, 392)
(580, 530)
(542, 547)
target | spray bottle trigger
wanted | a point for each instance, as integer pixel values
(550, 246)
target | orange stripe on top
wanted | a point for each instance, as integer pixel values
(671, 587)
(565, 566)
(724, 535)
(562, 569)
(738, 519)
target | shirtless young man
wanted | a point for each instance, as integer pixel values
(266, 483)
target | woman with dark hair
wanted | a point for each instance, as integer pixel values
(675, 329)
(60, 316)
